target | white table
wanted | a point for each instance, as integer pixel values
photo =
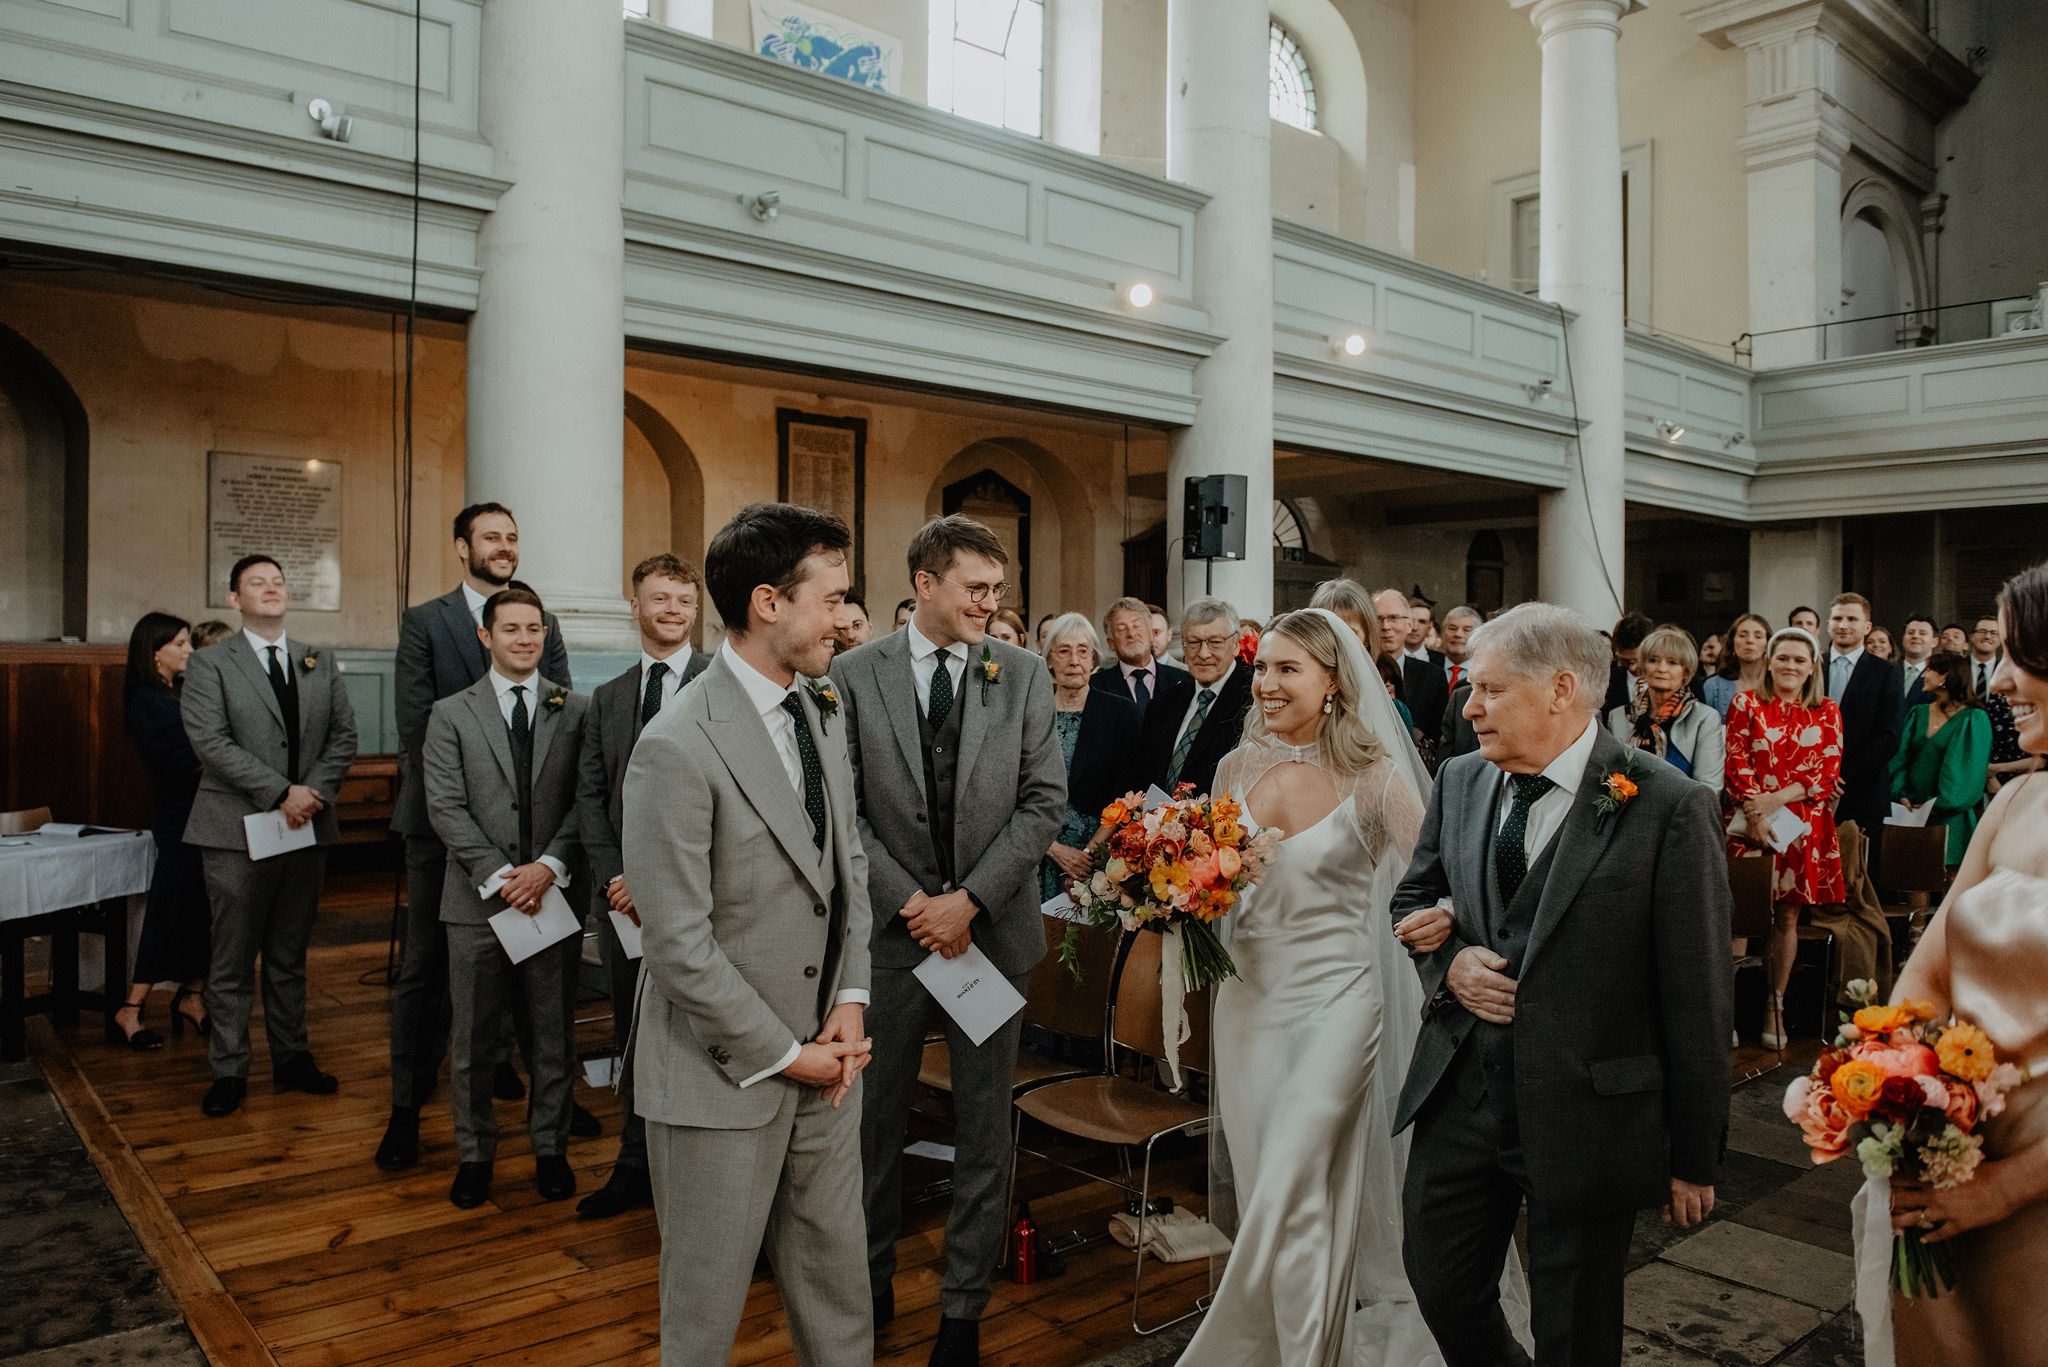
(59, 886)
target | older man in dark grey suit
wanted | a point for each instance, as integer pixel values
(272, 726)
(1575, 1051)
(962, 787)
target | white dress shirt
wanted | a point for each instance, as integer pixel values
(767, 696)
(1547, 813)
(476, 602)
(504, 687)
(1912, 672)
(1215, 689)
(1981, 672)
(262, 649)
(1848, 669)
(924, 657)
(1416, 653)
(671, 682)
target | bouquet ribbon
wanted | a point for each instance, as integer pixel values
(1173, 1002)
(1871, 1213)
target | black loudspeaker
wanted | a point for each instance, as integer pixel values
(1213, 527)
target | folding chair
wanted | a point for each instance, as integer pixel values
(1915, 880)
(1749, 883)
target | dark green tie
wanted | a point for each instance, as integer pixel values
(814, 773)
(522, 767)
(1510, 853)
(941, 702)
(1187, 736)
(650, 701)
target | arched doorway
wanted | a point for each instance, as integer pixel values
(1054, 562)
(1004, 509)
(664, 504)
(44, 457)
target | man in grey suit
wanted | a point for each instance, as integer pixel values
(748, 877)
(962, 786)
(1575, 1048)
(664, 607)
(440, 653)
(272, 726)
(500, 764)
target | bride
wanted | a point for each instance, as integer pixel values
(1325, 1006)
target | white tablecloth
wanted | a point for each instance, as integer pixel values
(44, 873)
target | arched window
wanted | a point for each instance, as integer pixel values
(1288, 541)
(1290, 90)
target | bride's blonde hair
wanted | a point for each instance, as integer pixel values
(1344, 743)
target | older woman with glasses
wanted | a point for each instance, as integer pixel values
(1664, 718)
(1098, 733)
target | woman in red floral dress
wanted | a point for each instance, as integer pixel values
(1785, 751)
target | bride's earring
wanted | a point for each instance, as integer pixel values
(1326, 707)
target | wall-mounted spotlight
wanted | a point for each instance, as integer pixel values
(1351, 345)
(763, 206)
(333, 124)
(1734, 439)
(1670, 430)
(1538, 391)
(1139, 295)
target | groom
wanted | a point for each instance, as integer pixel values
(1574, 1052)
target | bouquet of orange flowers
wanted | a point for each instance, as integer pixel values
(1178, 865)
(1907, 1093)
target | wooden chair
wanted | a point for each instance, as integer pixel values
(1749, 883)
(1109, 1108)
(1916, 878)
(1053, 1001)
(25, 821)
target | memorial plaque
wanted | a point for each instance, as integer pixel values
(822, 464)
(287, 509)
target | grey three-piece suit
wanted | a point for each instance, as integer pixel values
(1612, 1078)
(237, 728)
(750, 932)
(968, 801)
(472, 787)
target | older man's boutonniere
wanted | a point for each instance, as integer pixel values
(989, 668)
(556, 699)
(310, 661)
(1618, 790)
(827, 702)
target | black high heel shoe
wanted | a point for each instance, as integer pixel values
(142, 1037)
(202, 1027)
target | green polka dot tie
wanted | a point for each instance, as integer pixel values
(940, 703)
(814, 773)
(1510, 846)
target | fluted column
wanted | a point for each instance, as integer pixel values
(546, 350)
(1218, 140)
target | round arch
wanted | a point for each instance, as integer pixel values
(1883, 204)
(1062, 516)
(685, 521)
(50, 496)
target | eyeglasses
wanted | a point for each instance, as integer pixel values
(1205, 644)
(978, 593)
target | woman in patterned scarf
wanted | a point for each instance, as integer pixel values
(1664, 718)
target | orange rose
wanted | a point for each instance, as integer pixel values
(1622, 787)
(1966, 1052)
(1882, 1020)
(1229, 833)
(1115, 814)
(1856, 1085)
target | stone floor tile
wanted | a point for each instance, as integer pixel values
(1772, 1137)
(156, 1345)
(1732, 1323)
(1838, 1344)
(1637, 1350)
(1769, 1262)
(51, 1307)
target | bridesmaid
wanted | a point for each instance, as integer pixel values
(1985, 957)
(1945, 751)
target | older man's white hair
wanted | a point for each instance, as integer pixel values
(1203, 611)
(1538, 640)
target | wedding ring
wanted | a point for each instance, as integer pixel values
(1925, 1219)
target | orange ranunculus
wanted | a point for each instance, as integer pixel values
(1962, 1107)
(1922, 1011)
(1856, 1085)
(1115, 814)
(1966, 1051)
(1229, 833)
(1882, 1020)
(1621, 787)
(1228, 862)
(1225, 809)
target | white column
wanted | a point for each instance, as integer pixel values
(1580, 528)
(1073, 74)
(1218, 140)
(546, 344)
(1799, 565)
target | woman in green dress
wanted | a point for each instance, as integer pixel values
(1944, 751)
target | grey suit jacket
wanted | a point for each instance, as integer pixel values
(738, 911)
(472, 796)
(237, 730)
(1624, 1003)
(610, 729)
(1010, 794)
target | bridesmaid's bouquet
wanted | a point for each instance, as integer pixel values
(1176, 866)
(1907, 1093)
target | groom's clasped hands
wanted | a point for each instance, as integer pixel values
(831, 1062)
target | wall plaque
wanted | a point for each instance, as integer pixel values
(822, 463)
(275, 506)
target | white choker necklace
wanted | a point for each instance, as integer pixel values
(1296, 754)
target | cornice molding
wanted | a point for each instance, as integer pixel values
(1875, 34)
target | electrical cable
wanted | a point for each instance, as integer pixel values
(1579, 454)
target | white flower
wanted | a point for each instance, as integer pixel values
(1937, 1092)
(1796, 1097)
(1810, 736)
(1128, 917)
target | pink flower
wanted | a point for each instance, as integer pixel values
(1205, 872)
(1899, 1060)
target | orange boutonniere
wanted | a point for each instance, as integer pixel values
(1618, 790)
(827, 701)
(311, 662)
(555, 701)
(989, 668)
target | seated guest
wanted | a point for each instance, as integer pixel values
(500, 764)
(1785, 752)
(176, 925)
(1944, 752)
(1135, 673)
(1098, 734)
(666, 594)
(1742, 668)
(1879, 643)
(1664, 718)
(1806, 619)
(209, 632)
(851, 628)
(274, 731)
(1193, 725)
(1007, 627)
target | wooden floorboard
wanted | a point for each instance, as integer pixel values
(297, 1250)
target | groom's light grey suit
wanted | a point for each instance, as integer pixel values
(750, 934)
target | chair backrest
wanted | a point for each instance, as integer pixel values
(24, 821)
(1135, 1020)
(1915, 859)
(1054, 1001)
(1749, 882)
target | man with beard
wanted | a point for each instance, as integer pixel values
(439, 655)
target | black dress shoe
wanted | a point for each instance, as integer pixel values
(624, 1190)
(505, 1083)
(224, 1097)
(553, 1177)
(582, 1124)
(300, 1074)
(400, 1148)
(958, 1344)
(472, 1186)
(885, 1308)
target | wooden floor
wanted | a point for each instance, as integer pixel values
(334, 1262)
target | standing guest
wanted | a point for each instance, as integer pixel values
(1880, 645)
(903, 611)
(741, 850)
(1664, 718)
(1390, 675)
(1353, 606)
(1195, 724)
(1743, 669)
(274, 731)
(1098, 735)
(1987, 650)
(1425, 685)
(209, 632)
(1007, 627)
(1711, 651)
(853, 627)
(961, 786)
(1136, 673)
(1916, 646)
(1626, 640)
(666, 597)
(1785, 751)
(176, 924)
(1953, 637)
(1162, 635)
(1873, 712)
(1421, 626)
(1038, 637)
(1459, 624)
(510, 832)
(1806, 619)
(440, 653)
(1945, 752)
(1253, 628)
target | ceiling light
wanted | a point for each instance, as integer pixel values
(1139, 296)
(1672, 431)
(1353, 345)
